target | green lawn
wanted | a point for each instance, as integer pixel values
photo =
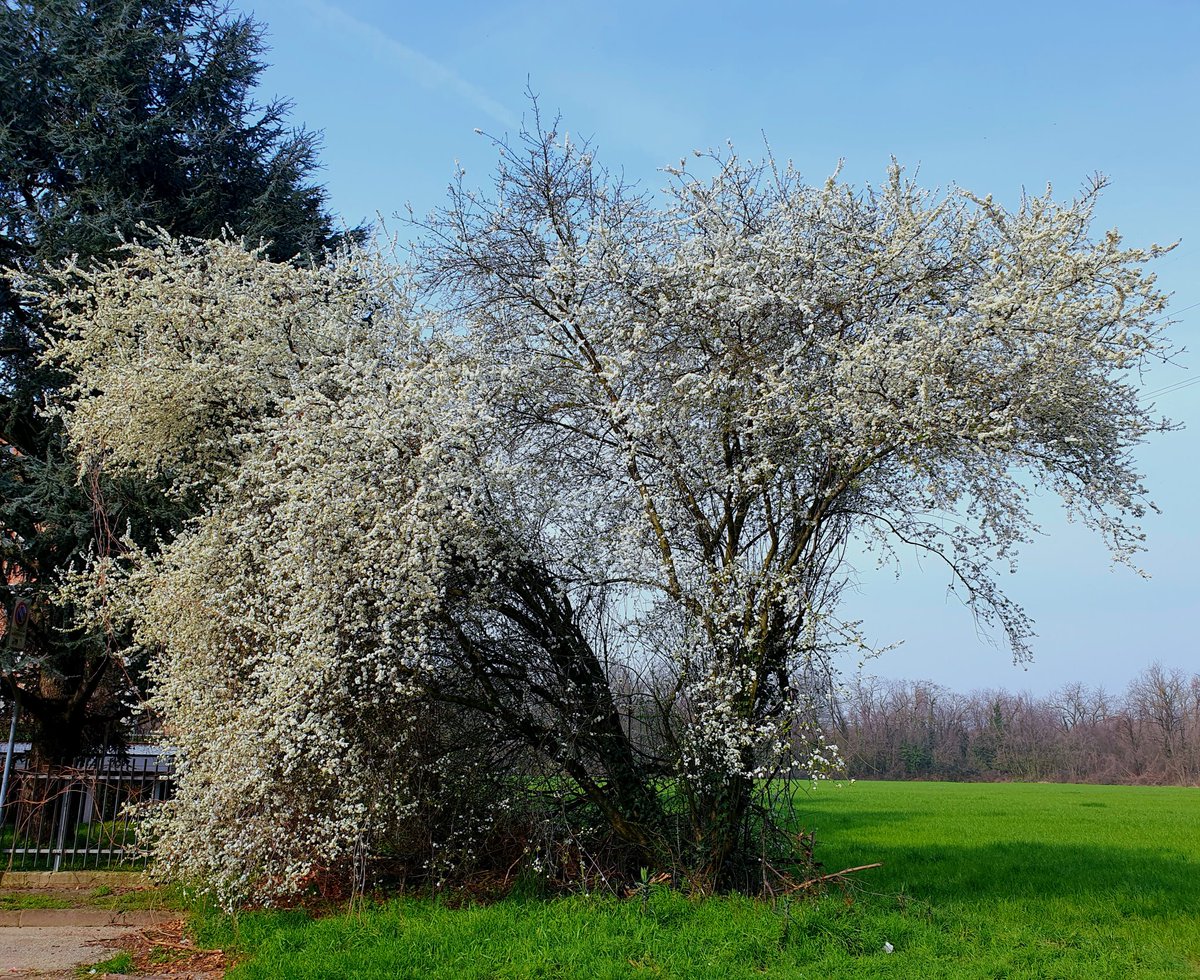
(1007, 880)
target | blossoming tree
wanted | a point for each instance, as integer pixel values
(587, 482)
(701, 400)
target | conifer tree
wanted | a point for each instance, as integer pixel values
(116, 115)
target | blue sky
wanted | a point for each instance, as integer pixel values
(993, 97)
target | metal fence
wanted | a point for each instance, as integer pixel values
(82, 816)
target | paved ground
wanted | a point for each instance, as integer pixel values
(33, 950)
(51, 943)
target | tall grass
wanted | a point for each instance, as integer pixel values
(977, 881)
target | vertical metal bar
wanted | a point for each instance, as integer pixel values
(112, 802)
(145, 794)
(31, 788)
(112, 807)
(43, 802)
(8, 758)
(145, 789)
(63, 812)
(120, 803)
(103, 814)
(87, 802)
(87, 814)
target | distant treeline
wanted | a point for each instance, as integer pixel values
(1149, 733)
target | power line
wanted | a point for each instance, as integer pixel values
(1172, 388)
(1173, 313)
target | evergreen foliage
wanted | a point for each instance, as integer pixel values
(115, 115)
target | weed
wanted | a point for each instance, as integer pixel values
(21, 900)
(119, 964)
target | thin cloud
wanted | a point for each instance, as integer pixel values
(421, 68)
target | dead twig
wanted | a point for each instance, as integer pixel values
(839, 876)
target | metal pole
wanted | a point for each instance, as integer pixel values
(64, 802)
(14, 642)
(12, 739)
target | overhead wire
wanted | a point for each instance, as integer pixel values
(1171, 388)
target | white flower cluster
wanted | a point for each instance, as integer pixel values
(291, 614)
(179, 350)
(292, 623)
(652, 429)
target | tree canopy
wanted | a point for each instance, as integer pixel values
(115, 117)
(576, 493)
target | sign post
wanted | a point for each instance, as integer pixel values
(18, 626)
(18, 623)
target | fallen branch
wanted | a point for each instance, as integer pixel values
(835, 876)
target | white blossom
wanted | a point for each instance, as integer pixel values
(607, 481)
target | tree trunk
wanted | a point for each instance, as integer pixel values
(721, 832)
(62, 730)
(540, 679)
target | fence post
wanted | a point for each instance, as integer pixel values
(64, 812)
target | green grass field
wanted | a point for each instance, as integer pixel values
(997, 880)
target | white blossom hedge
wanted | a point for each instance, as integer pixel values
(581, 483)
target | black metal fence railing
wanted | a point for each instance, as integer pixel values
(82, 817)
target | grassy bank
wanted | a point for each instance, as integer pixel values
(997, 880)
